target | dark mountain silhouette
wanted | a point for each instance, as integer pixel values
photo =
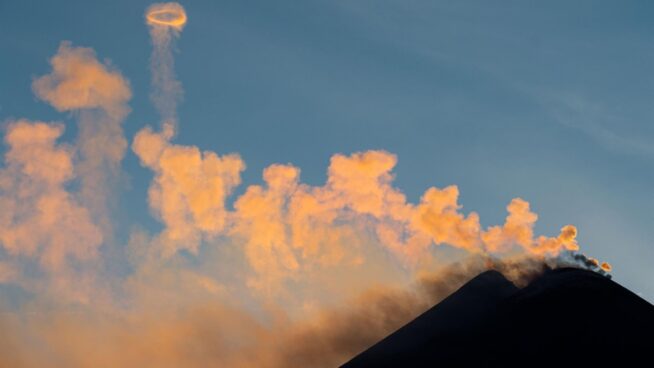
(564, 317)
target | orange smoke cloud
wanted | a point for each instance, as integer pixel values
(43, 218)
(40, 219)
(437, 216)
(362, 182)
(287, 228)
(99, 94)
(214, 333)
(189, 189)
(78, 81)
(219, 334)
(260, 219)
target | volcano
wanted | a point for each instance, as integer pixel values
(564, 317)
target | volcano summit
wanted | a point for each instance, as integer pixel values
(566, 316)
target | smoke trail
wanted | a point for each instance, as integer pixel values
(166, 22)
(47, 225)
(98, 96)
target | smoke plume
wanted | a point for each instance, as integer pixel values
(217, 334)
(189, 189)
(41, 220)
(97, 94)
(285, 274)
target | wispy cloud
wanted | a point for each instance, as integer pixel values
(612, 130)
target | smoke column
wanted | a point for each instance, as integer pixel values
(97, 95)
(166, 21)
(54, 196)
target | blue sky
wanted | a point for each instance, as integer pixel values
(548, 101)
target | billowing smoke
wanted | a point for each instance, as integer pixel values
(286, 226)
(290, 274)
(97, 94)
(218, 334)
(45, 223)
(41, 220)
(189, 189)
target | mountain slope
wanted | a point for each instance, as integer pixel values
(565, 316)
